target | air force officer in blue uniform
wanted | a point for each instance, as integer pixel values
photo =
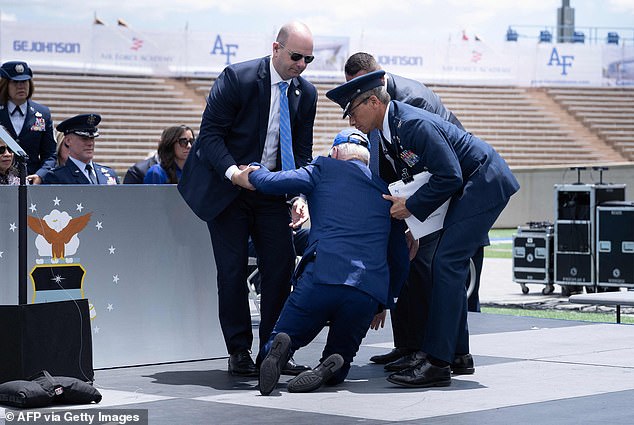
(343, 276)
(80, 132)
(465, 170)
(28, 122)
(243, 123)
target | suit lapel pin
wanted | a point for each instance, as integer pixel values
(296, 92)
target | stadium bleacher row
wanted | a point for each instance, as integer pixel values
(528, 126)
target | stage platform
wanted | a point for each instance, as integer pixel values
(527, 371)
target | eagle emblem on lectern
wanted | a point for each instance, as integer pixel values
(57, 233)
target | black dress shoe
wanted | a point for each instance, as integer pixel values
(271, 366)
(293, 369)
(241, 364)
(422, 376)
(405, 362)
(463, 365)
(393, 355)
(310, 380)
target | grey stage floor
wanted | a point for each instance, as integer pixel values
(528, 371)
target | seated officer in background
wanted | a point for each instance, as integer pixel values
(79, 134)
(343, 276)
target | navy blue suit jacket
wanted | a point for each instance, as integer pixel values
(233, 132)
(36, 137)
(464, 168)
(71, 174)
(417, 94)
(350, 225)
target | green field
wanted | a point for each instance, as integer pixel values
(500, 248)
(560, 314)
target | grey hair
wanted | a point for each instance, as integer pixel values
(350, 151)
(380, 93)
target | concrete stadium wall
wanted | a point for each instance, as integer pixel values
(536, 199)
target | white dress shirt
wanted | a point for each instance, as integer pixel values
(18, 118)
(272, 141)
(82, 167)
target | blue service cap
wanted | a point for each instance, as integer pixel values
(351, 135)
(346, 93)
(16, 71)
(83, 125)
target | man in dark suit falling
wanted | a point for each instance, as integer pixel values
(257, 111)
(79, 134)
(343, 276)
(467, 171)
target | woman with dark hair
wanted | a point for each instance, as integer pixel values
(28, 122)
(173, 149)
(8, 172)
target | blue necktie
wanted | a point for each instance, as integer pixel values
(286, 139)
(375, 141)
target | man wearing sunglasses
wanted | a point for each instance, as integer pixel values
(261, 111)
(343, 275)
(79, 134)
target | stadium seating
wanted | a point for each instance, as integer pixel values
(609, 112)
(527, 126)
(134, 110)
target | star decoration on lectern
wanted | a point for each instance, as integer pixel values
(33, 208)
(112, 249)
(58, 279)
(12, 227)
(56, 201)
(110, 307)
(80, 207)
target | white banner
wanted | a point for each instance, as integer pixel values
(120, 49)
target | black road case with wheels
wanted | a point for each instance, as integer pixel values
(615, 244)
(533, 256)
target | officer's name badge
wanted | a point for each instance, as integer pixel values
(409, 157)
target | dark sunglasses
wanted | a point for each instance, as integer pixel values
(296, 57)
(184, 141)
(4, 149)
